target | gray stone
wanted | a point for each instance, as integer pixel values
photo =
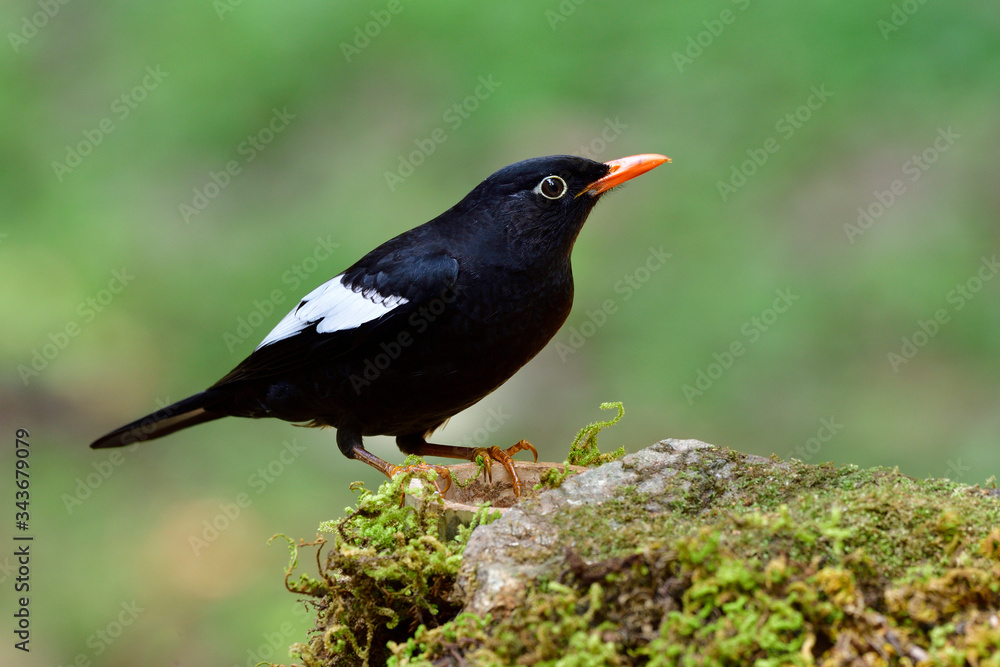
(528, 543)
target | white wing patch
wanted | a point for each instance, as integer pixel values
(335, 307)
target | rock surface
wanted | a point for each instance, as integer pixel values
(681, 553)
(529, 542)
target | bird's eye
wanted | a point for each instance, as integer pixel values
(551, 187)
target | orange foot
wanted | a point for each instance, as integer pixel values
(503, 457)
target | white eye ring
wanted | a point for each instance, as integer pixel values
(551, 187)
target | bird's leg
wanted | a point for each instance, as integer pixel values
(416, 444)
(352, 447)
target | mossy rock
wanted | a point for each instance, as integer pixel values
(680, 554)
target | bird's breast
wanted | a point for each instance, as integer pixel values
(520, 310)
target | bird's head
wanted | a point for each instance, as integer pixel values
(540, 205)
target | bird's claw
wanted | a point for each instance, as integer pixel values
(503, 457)
(443, 473)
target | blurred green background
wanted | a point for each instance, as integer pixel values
(783, 120)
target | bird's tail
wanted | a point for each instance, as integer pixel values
(192, 410)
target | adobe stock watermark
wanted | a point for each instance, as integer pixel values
(495, 419)
(101, 639)
(224, 7)
(86, 312)
(828, 428)
(389, 351)
(7, 568)
(370, 30)
(609, 134)
(292, 278)
(957, 298)
(563, 10)
(751, 331)
(697, 43)
(625, 289)
(955, 470)
(32, 23)
(912, 170)
(103, 469)
(257, 483)
(275, 644)
(453, 118)
(898, 17)
(786, 127)
(121, 108)
(249, 149)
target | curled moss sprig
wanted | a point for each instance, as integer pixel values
(584, 451)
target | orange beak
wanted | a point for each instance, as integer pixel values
(624, 169)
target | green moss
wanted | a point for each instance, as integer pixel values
(737, 561)
(385, 573)
(810, 565)
(584, 451)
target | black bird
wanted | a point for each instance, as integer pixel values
(424, 325)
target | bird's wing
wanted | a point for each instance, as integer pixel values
(333, 307)
(345, 311)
